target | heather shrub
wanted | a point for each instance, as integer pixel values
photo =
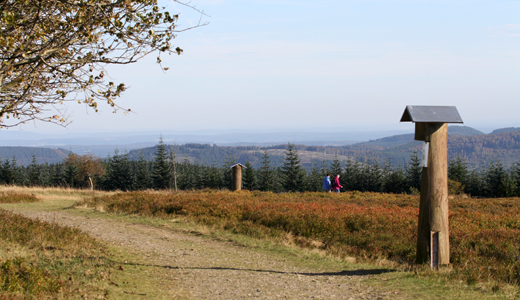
(9, 197)
(484, 233)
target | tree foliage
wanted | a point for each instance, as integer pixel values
(53, 51)
(119, 174)
(161, 168)
(84, 168)
(293, 172)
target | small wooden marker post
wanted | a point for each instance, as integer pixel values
(236, 179)
(433, 228)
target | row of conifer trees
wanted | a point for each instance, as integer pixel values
(118, 172)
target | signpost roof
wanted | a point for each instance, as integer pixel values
(239, 164)
(431, 114)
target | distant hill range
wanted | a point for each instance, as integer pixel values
(477, 148)
(24, 155)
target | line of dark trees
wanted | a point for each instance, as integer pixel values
(118, 172)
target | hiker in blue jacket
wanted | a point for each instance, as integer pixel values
(326, 183)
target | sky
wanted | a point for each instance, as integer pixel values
(264, 65)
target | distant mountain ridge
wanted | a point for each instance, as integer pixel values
(508, 129)
(477, 148)
(407, 138)
(24, 155)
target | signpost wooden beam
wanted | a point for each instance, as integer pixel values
(432, 128)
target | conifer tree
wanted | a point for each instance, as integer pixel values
(458, 170)
(293, 173)
(249, 182)
(142, 176)
(515, 176)
(119, 175)
(266, 174)
(493, 178)
(8, 176)
(351, 175)
(187, 179)
(33, 171)
(336, 168)
(474, 183)
(413, 172)
(314, 178)
(395, 182)
(161, 168)
(214, 181)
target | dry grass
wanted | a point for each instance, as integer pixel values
(65, 262)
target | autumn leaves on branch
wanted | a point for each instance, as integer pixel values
(53, 51)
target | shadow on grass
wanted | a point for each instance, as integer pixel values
(360, 272)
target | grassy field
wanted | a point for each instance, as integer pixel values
(484, 233)
(40, 260)
(350, 230)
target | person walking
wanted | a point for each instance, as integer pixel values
(336, 187)
(326, 183)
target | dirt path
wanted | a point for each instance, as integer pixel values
(208, 269)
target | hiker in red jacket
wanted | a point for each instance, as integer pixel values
(336, 187)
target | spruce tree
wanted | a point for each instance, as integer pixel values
(515, 176)
(214, 181)
(493, 178)
(249, 177)
(336, 168)
(226, 171)
(57, 175)
(375, 177)
(474, 183)
(161, 168)
(413, 172)
(351, 175)
(458, 170)
(33, 171)
(293, 173)
(266, 174)
(142, 176)
(395, 182)
(119, 175)
(314, 178)
(186, 180)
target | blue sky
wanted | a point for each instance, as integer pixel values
(317, 65)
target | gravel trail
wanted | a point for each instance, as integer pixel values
(204, 268)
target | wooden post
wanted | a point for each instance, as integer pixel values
(437, 193)
(433, 206)
(431, 126)
(236, 182)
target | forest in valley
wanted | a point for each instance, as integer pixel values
(478, 151)
(167, 171)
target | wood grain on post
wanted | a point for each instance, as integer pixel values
(437, 190)
(423, 231)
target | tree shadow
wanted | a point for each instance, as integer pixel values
(359, 272)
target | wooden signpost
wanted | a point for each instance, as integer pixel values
(433, 229)
(236, 179)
